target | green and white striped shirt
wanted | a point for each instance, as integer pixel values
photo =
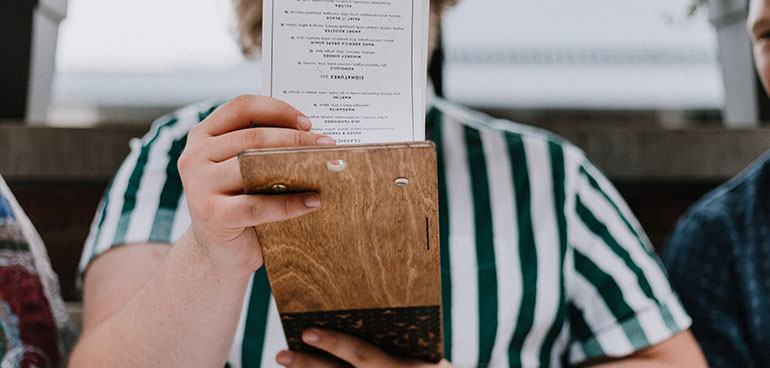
(542, 262)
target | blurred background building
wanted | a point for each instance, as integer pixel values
(522, 59)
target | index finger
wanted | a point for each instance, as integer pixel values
(245, 110)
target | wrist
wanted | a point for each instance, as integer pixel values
(224, 261)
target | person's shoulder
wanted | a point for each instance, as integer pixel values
(741, 196)
(453, 113)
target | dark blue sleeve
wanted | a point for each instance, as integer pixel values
(701, 264)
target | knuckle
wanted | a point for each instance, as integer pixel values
(286, 208)
(186, 167)
(187, 160)
(241, 101)
(257, 210)
(254, 136)
(298, 138)
(195, 131)
(308, 139)
(183, 162)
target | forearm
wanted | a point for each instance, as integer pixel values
(680, 350)
(141, 308)
(636, 363)
(185, 315)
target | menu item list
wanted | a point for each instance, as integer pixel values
(356, 68)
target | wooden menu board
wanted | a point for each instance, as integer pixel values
(366, 262)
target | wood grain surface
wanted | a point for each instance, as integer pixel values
(372, 244)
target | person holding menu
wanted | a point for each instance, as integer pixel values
(542, 262)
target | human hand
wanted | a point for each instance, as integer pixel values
(350, 349)
(223, 216)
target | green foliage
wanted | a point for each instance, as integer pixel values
(694, 5)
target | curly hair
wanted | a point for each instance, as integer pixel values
(248, 14)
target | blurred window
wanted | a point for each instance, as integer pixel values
(135, 60)
(602, 54)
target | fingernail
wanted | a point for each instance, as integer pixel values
(312, 200)
(325, 141)
(311, 335)
(284, 358)
(304, 122)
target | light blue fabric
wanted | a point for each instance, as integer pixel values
(5, 207)
(11, 347)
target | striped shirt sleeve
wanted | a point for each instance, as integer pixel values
(144, 202)
(619, 297)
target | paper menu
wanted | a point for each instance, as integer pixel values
(356, 68)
